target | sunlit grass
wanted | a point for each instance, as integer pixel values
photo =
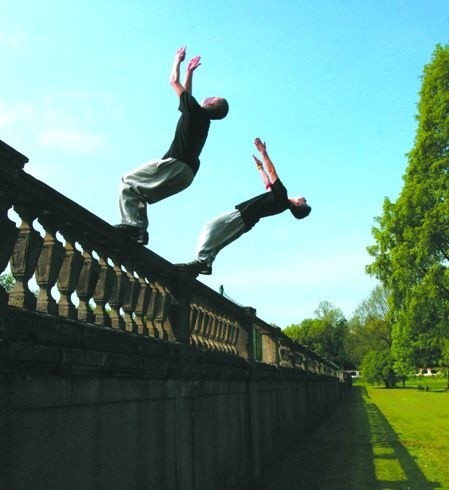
(378, 439)
(410, 434)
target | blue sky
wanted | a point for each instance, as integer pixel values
(330, 85)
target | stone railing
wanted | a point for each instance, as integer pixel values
(103, 279)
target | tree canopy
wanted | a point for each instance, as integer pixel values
(325, 334)
(411, 250)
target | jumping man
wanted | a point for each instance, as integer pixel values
(230, 225)
(158, 179)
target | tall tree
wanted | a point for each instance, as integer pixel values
(411, 253)
(370, 326)
(324, 334)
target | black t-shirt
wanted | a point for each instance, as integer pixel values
(191, 132)
(267, 204)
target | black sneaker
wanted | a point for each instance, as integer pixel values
(134, 233)
(196, 267)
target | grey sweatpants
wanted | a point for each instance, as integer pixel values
(218, 233)
(149, 183)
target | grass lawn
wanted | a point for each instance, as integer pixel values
(413, 435)
(377, 439)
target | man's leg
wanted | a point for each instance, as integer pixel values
(150, 183)
(214, 236)
(218, 233)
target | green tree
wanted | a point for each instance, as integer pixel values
(378, 366)
(370, 326)
(324, 334)
(411, 250)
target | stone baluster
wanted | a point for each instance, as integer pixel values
(219, 336)
(118, 294)
(192, 321)
(202, 327)
(24, 259)
(8, 234)
(226, 334)
(162, 313)
(69, 276)
(229, 336)
(306, 363)
(48, 266)
(131, 297)
(103, 289)
(209, 329)
(143, 301)
(151, 314)
(196, 332)
(223, 334)
(214, 332)
(221, 329)
(87, 281)
(234, 337)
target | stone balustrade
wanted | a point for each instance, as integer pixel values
(103, 279)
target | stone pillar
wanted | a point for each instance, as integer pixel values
(24, 260)
(270, 351)
(48, 266)
(180, 314)
(245, 346)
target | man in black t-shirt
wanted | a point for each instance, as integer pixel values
(230, 225)
(158, 179)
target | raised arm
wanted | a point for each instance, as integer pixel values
(194, 63)
(174, 74)
(269, 167)
(263, 174)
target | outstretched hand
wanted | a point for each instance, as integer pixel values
(262, 147)
(181, 54)
(194, 63)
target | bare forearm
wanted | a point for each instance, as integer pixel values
(269, 167)
(188, 81)
(267, 162)
(194, 63)
(266, 180)
(174, 74)
(263, 174)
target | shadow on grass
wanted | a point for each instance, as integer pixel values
(355, 449)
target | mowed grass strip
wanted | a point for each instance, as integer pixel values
(419, 423)
(377, 439)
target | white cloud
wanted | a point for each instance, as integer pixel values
(72, 141)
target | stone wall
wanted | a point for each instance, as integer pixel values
(91, 409)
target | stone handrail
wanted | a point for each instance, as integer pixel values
(106, 280)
